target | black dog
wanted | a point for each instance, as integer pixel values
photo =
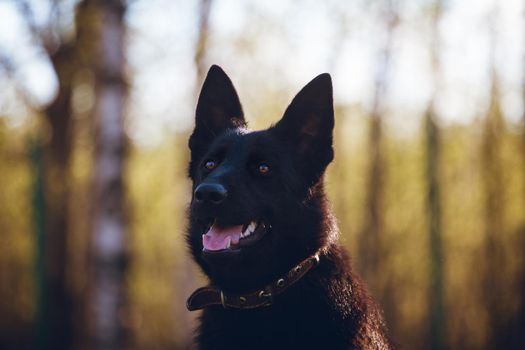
(262, 231)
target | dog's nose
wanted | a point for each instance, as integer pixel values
(212, 193)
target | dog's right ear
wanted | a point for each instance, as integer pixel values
(218, 109)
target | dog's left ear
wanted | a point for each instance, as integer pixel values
(307, 125)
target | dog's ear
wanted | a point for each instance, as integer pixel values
(218, 109)
(307, 126)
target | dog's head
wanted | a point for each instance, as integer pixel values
(258, 206)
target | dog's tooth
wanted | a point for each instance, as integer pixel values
(252, 226)
(229, 244)
(246, 230)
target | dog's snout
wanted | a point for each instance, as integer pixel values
(211, 193)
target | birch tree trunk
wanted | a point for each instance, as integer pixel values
(432, 138)
(370, 242)
(109, 236)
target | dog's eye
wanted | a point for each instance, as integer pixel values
(210, 164)
(263, 168)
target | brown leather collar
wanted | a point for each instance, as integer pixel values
(209, 295)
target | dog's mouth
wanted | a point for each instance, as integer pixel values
(222, 238)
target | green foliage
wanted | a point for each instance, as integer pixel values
(161, 274)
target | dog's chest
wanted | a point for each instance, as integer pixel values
(275, 327)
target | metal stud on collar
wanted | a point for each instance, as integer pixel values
(223, 300)
(263, 294)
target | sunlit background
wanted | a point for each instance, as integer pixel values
(428, 182)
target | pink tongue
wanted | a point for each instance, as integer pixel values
(217, 238)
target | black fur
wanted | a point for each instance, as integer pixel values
(327, 309)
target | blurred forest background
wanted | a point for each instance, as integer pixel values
(96, 104)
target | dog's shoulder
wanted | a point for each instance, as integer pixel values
(351, 304)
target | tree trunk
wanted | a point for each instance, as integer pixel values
(436, 314)
(109, 250)
(493, 189)
(202, 43)
(492, 182)
(55, 310)
(38, 208)
(370, 242)
(50, 159)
